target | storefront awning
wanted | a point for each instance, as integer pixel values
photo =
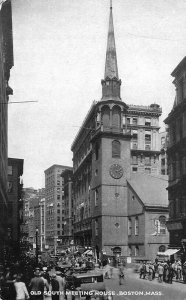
(168, 252)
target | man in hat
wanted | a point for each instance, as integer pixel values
(36, 286)
(55, 287)
(61, 281)
(184, 272)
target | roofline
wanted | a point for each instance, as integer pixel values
(58, 166)
(84, 122)
(19, 161)
(178, 67)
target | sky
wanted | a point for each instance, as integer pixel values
(59, 59)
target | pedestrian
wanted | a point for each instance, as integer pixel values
(121, 274)
(179, 270)
(20, 287)
(144, 270)
(166, 273)
(55, 287)
(151, 271)
(184, 272)
(170, 273)
(160, 272)
(140, 269)
(61, 279)
(36, 286)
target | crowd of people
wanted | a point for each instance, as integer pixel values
(164, 271)
(26, 279)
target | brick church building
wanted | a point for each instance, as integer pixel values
(102, 161)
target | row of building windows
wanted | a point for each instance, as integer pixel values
(134, 121)
(147, 170)
(147, 160)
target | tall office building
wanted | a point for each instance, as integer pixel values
(15, 203)
(176, 152)
(6, 63)
(54, 199)
(143, 121)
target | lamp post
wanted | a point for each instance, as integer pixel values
(37, 230)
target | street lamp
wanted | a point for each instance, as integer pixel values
(37, 230)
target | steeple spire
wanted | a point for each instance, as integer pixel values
(111, 68)
(111, 83)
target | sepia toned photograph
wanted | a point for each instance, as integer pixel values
(92, 149)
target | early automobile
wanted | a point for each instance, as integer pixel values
(90, 285)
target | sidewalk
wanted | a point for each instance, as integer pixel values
(130, 273)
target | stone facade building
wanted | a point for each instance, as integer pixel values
(176, 151)
(6, 63)
(15, 202)
(54, 200)
(163, 152)
(143, 121)
(68, 238)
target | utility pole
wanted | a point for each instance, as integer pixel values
(37, 230)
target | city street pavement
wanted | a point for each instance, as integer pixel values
(136, 288)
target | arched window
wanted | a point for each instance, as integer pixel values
(116, 117)
(116, 149)
(136, 226)
(106, 117)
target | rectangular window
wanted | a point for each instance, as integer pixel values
(147, 160)
(128, 120)
(134, 169)
(10, 186)
(9, 170)
(147, 170)
(96, 227)
(147, 146)
(58, 225)
(147, 122)
(134, 145)
(163, 141)
(136, 226)
(136, 251)
(116, 149)
(129, 226)
(96, 197)
(134, 159)
(134, 134)
(134, 121)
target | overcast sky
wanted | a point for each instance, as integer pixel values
(59, 58)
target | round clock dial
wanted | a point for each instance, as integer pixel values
(116, 171)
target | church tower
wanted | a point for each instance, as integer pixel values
(110, 160)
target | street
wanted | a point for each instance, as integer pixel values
(136, 288)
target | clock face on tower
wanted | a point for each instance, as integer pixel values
(116, 171)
